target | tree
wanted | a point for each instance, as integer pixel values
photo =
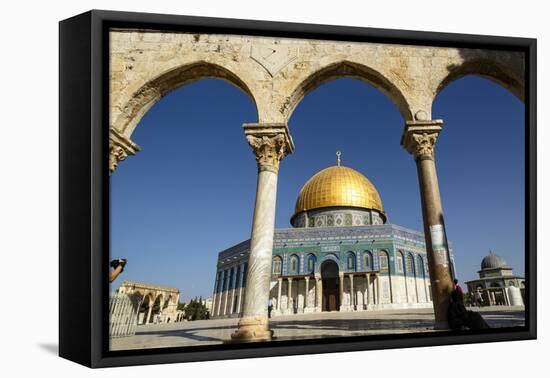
(196, 310)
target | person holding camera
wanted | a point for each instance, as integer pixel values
(118, 267)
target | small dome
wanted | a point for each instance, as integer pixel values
(493, 261)
(338, 186)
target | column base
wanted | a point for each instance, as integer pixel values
(309, 309)
(255, 329)
(345, 308)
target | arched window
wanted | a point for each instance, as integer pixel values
(410, 265)
(351, 261)
(277, 265)
(367, 259)
(311, 263)
(294, 264)
(384, 261)
(399, 261)
(420, 268)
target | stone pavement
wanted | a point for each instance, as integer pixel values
(306, 326)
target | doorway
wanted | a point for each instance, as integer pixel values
(331, 286)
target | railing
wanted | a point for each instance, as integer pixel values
(123, 312)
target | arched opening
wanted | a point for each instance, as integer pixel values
(151, 92)
(331, 286)
(157, 309)
(353, 115)
(481, 156)
(144, 309)
(509, 76)
(182, 180)
(347, 69)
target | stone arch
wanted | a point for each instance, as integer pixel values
(153, 90)
(352, 70)
(329, 256)
(157, 304)
(509, 74)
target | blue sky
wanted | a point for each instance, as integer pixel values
(190, 192)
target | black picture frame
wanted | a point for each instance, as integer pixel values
(84, 187)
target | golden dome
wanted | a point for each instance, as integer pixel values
(338, 186)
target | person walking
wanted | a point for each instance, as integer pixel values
(269, 308)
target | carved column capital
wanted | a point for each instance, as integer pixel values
(270, 142)
(120, 147)
(419, 137)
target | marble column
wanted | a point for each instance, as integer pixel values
(232, 300)
(306, 304)
(318, 293)
(341, 289)
(149, 313)
(367, 291)
(215, 295)
(289, 302)
(241, 279)
(279, 292)
(406, 286)
(351, 293)
(220, 298)
(214, 299)
(226, 299)
(419, 139)
(270, 143)
(377, 289)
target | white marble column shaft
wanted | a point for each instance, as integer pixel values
(270, 143)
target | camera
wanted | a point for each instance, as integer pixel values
(115, 263)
